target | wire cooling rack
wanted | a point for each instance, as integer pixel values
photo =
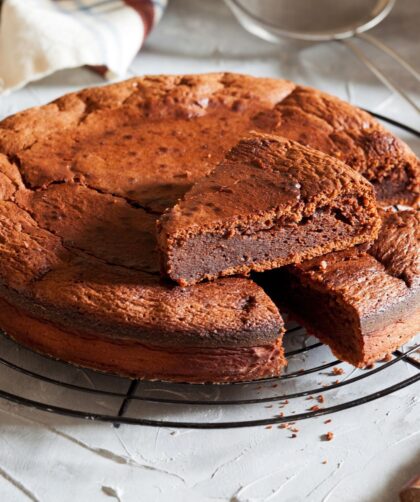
(314, 384)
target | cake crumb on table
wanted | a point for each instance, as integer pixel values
(329, 436)
(337, 371)
(328, 421)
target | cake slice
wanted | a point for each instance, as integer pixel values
(270, 202)
(363, 303)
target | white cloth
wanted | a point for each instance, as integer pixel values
(39, 37)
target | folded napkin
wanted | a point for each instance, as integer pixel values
(39, 37)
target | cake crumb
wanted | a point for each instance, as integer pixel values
(336, 382)
(329, 436)
(283, 426)
(328, 421)
(324, 461)
(320, 398)
(293, 436)
(269, 427)
(337, 371)
(294, 429)
(269, 406)
(281, 414)
(315, 407)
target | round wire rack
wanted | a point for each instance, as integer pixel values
(313, 384)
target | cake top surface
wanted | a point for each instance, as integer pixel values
(166, 132)
(141, 139)
(265, 176)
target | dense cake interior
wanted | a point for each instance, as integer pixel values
(267, 243)
(325, 315)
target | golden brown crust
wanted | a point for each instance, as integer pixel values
(339, 129)
(218, 107)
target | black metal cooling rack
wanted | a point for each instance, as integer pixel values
(192, 393)
(248, 403)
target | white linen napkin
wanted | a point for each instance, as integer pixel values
(39, 37)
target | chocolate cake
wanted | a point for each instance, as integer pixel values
(82, 181)
(363, 302)
(269, 203)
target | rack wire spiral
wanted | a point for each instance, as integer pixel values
(314, 384)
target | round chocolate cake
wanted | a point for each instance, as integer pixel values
(83, 181)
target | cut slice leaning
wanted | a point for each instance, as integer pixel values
(269, 203)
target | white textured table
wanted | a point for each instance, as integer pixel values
(376, 447)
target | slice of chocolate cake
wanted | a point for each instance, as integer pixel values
(363, 303)
(269, 203)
